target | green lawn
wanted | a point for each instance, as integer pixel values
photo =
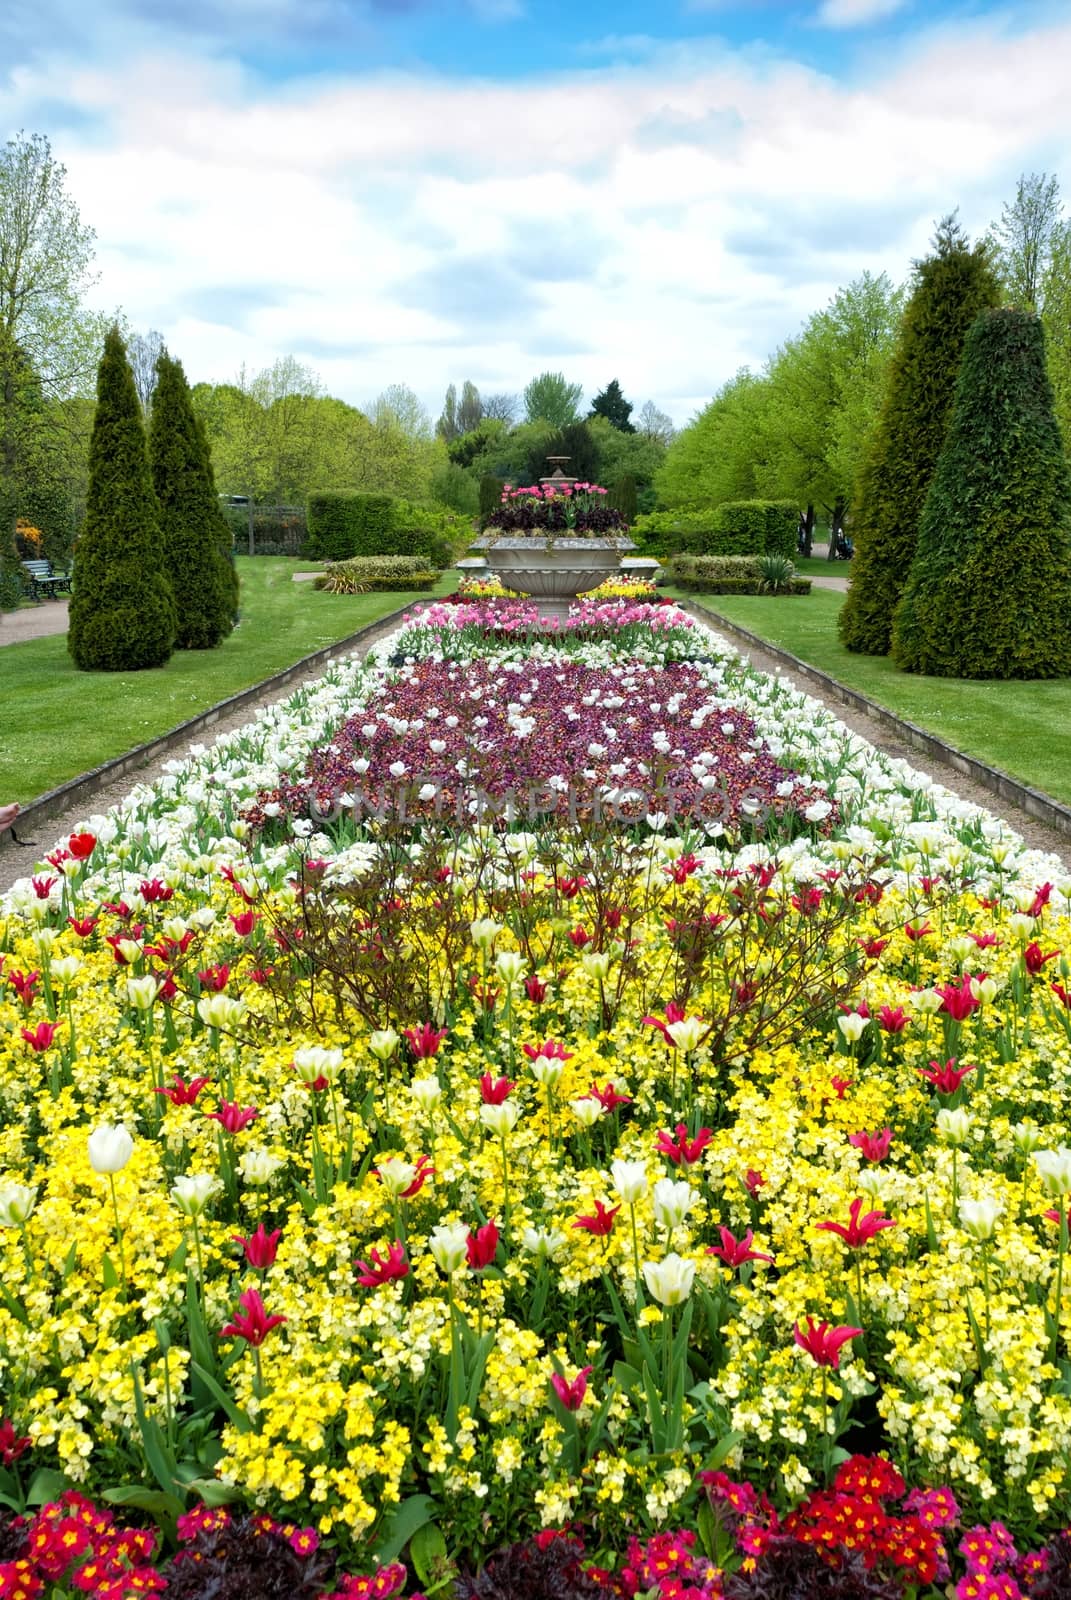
(1022, 728)
(59, 722)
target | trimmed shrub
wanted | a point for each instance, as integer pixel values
(342, 525)
(782, 528)
(953, 286)
(48, 507)
(731, 575)
(989, 595)
(190, 521)
(623, 497)
(122, 614)
(735, 528)
(490, 498)
(364, 574)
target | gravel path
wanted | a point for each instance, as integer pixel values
(16, 863)
(33, 622)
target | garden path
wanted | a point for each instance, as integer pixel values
(33, 622)
(16, 863)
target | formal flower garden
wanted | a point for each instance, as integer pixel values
(541, 1112)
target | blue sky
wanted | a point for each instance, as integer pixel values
(422, 191)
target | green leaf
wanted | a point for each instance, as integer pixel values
(412, 1515)
(46, 1485)
(214, 1493)
(627, 1376)
(201, 1348)
(721, 1451)
(154, 1501)
(109, 1274)
(427, 1550)
(14, 1307)
(157, 1454)
(70, 1261)
(239, 1417)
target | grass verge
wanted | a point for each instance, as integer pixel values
(59, 722)
(1024, 728)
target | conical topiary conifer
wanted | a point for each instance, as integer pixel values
(189, 514)
(223, 535)
(122, 614)
(989, 594)
(952, 286)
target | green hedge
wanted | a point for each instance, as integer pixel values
(342, 525)
(725, 575)
(364, 574)
(735, 528)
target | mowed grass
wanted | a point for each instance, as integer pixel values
(1021, 727)
(57, 722)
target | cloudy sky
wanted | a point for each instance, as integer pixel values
(424, 191)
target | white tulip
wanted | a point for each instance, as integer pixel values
(670, 1280)
(509, 964)
(852, 1026)
(672, 1202)
(110, 1148)
(547, 1071)
(502, 1119)
(586, 1111)
(979, 1217)
(630, 1180)
(449, 1246)
(259, 1166)
(314, 1061)
(383, 1043)
(427, 1092)
(1054, 1170)
(17, 1201)
(192, 1192)
(953, 1127)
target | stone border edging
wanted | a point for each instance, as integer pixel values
(55, 801)
(1036, 804)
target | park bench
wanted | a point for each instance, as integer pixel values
(43, 581)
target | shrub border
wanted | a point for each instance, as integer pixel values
(55, 801)
(1042, 807)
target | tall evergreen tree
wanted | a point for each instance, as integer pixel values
(989, 595)
(190, 518)
(122, 614)
(952, 286)
(611, 404)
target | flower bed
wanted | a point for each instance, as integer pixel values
(449, 1185)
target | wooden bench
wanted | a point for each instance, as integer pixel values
(43, 581)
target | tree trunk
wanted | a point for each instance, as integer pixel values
(806, 531)
(836, 527)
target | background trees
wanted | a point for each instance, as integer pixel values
(551, 398)
(48, 342)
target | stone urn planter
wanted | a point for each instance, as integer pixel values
(551, 566)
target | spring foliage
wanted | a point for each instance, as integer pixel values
(953, 285)
(990, 590)
(122, 614)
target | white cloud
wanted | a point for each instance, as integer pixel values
(664, 222)
(856, 13)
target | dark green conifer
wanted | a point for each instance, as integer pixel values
(989, 594)
(952, 286)
(122, 614)
(189, 513)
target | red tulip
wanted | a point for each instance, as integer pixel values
(917, 930)
(550, 1048)
(244, 923)
(1035, 961)
(233, 1117)
(12, 1447)
(945, 1078)
(493, 1091)
(181, 1093)
(674, 1013)
(1040, 900)
(481, 1246)
(535, 989)
(858, 1230)
(579, 937)
(679, 1149)
(735, 1252)
(601, 1223)
(260, 1247)
(156, 892)
(608, 1097)
(571, 1394)
(425, 1040)
(42, 1037)
(1062, 995)
(841, 1086)
(872, 1146)
(753, 1182)
(42, 887)
(83, 926)
(893, 1019)
(255, 1325)
(381, 1269)
(872, 948)
(985, 941)
(214, 978)
(823, 1342)
(82, 845)
(957, 1000)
